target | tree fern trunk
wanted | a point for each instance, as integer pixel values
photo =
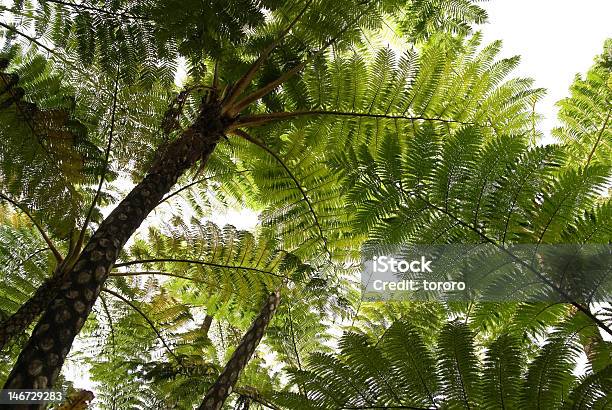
(41, 360)
(206, 324)
(227, 379)
(19, 321)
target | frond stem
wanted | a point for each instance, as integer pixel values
(263, 146)
(149, 321)
(29, 38)
(249, 392)
(110, 321)
(246, 79)
(294, 344)
(256, 95)
(178, 191)
(385, 407)
(140, 273)
(543, 278)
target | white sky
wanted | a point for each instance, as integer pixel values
(556, 39)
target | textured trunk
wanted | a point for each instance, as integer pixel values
(19, 321)
(227, 379)
(41, 360)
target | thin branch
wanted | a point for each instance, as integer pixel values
(215, 83)
(149, 321)
(178, 191)
(110, 320)
(598, 138)
(98, 10)
(139, 273)
(543, 278)
(295, 349)
(244, 81)
(30, 38)
(262, 119)
(106, 165)
(58, 256)
(263, 146)
(196, 262)
(297, 355)
(33, 254)
(173, 275)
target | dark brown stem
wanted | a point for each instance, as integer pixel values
(299, 186)
(97, 10)
(206, 324)
(221, 389)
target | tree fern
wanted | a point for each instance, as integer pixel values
(412, 362)
(585, 115)
(590, 392)
(287, 110)
(46, 153)
(459, 366)
(474, 183)
(454, 377)
(549, 376)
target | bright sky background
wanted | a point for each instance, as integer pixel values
(556, 40)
